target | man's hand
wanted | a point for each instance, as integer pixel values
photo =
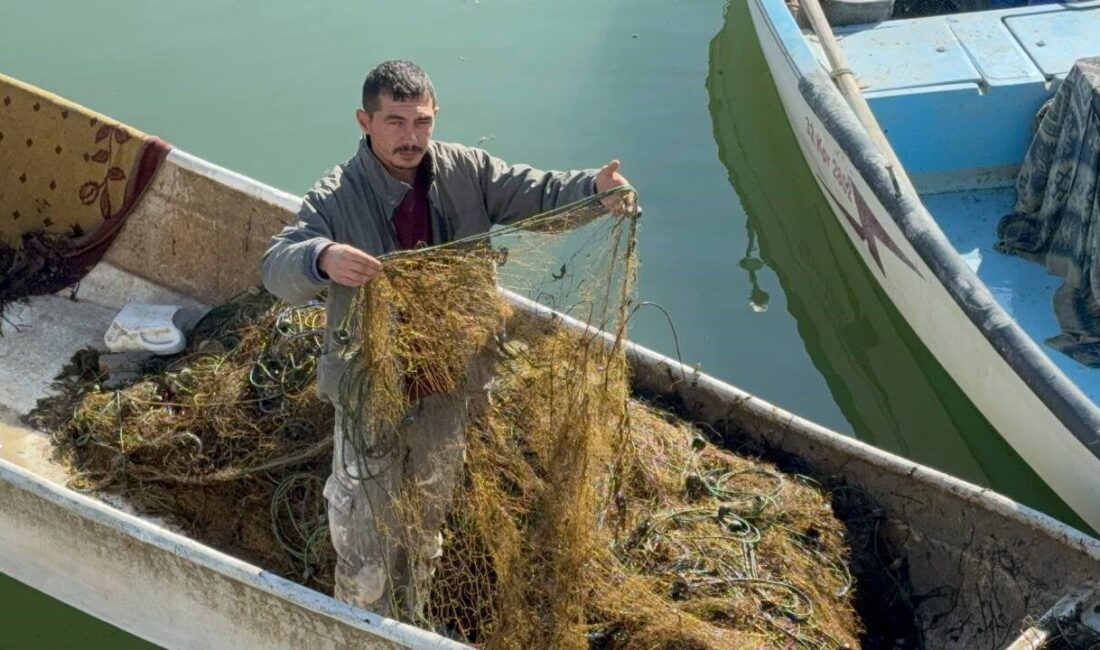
(347, 265)
(608, 178)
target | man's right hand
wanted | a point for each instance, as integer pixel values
(347, 265)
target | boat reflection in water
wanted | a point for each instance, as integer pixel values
(892, 391)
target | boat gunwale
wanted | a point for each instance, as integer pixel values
(1065, 400)
(207, 557)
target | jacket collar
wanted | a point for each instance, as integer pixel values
(381, 181)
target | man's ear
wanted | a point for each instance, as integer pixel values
(364, 120)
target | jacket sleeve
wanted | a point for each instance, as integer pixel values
(514, 192)
(289, 266)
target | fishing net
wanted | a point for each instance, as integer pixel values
(228, 439)
(580, 518)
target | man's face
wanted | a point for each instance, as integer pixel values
(400, 131)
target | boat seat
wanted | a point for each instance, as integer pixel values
(957, 94)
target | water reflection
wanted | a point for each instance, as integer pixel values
(758, 298)
(894, 394)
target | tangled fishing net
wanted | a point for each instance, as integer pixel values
(228, 439)
(583, 519)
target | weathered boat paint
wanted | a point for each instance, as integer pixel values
(1044, 416)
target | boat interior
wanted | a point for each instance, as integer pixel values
(958, 96)
(195, 242)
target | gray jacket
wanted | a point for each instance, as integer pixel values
(470, 191)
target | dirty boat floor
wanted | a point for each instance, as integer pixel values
(38, 340)
(41, 336)
(28, 448)
(1025, 289)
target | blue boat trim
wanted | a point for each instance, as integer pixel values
(1077, 414)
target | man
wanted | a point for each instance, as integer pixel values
(401, 190)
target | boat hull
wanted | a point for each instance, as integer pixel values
(1042, 416)
(167, 588)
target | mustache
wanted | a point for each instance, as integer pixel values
(409, 149)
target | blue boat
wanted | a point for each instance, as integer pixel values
(916, 129)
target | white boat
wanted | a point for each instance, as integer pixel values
(978, 566)
(919, 164)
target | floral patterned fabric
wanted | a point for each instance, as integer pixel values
(69, 178)
(1056, 221)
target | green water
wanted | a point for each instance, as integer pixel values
(271, 92)
(29, 619)
(677, 90)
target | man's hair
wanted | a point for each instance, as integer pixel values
(402, 80)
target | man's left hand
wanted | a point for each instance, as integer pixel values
(608, 178)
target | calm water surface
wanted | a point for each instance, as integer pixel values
(775, 301)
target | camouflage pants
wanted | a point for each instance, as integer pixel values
(385, 514)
